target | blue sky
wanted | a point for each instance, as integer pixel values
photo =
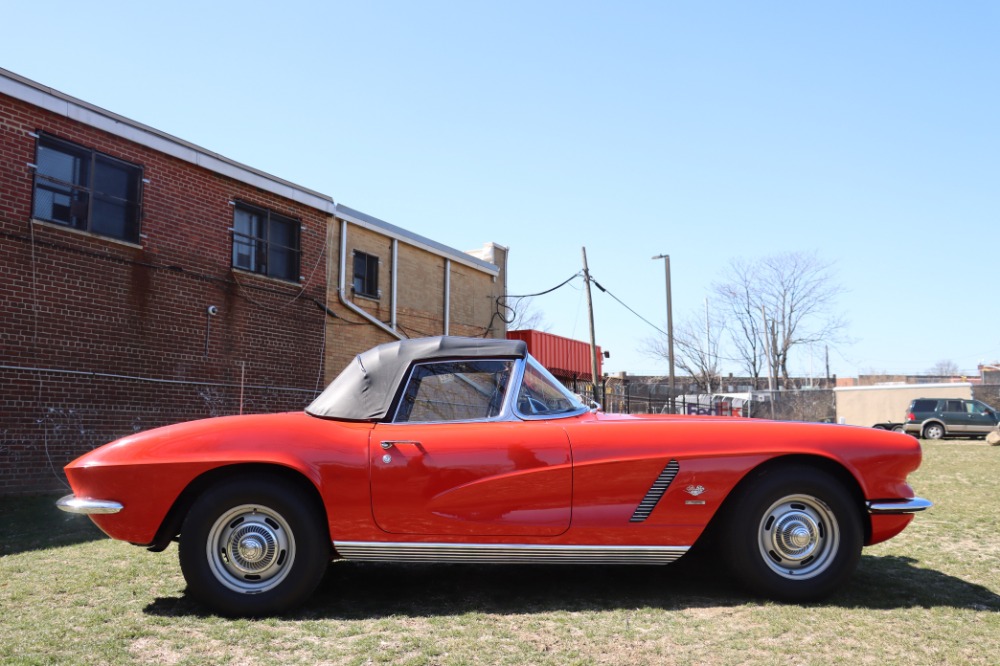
(867, 132)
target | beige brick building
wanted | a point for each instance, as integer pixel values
(386, 283)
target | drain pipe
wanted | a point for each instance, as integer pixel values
(447, 296)
(393, 291)
(343, 281)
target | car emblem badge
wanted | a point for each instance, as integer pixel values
(694, 491)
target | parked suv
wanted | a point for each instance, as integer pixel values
(934, 418)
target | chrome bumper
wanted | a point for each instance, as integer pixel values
(73, 504)
(911, 505)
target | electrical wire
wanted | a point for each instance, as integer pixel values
(679, 343)
(622, 303)
(501, 301)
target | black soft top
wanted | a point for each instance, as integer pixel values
(366, 387)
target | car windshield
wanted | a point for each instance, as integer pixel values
(542, 395)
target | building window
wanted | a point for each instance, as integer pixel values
(265, 242)
(365, 274)
(86, 190)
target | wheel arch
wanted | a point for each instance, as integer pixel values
(934, 421)
(827, 465)
(171, 526)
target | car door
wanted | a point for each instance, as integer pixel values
(982, 418)
(448, 465)
(955, 417)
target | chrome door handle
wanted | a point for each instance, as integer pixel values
(388, 444)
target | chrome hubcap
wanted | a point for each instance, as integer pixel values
(798, 536)
(250, 549)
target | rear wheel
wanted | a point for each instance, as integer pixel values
(795, 534)
(253, 546)
(933, 431)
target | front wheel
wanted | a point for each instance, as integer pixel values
(253, 546)
(795, 534)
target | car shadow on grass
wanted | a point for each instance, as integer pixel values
(34, 523)
(353, 590)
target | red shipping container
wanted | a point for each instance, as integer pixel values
(564, 358)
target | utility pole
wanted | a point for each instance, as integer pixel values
(593, 340)
(670, 331)
(772, 374)
(708, 351)
(827, 366)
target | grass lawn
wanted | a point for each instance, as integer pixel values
(930, 596)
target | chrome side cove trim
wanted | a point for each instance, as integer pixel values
(911, 505)
(655, 492)
(488, 553)
(73, 504)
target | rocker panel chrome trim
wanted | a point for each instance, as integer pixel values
(488, 553)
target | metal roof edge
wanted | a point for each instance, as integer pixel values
(381, 226)
(26, 90)
(939, 385)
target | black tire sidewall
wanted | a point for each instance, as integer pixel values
(312, 548)
(745, 558)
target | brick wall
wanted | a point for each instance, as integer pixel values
(100, 338)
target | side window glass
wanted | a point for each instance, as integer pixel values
(954, 406)
(454, 391)
(538, 396)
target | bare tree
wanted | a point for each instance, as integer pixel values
(739, 297)
(696, 347)
(946, 368)
(524, 315)
(777, 304)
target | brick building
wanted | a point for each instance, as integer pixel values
(145, 280)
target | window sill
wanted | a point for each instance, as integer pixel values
(269, 278)
(366, 297)
(88, 234)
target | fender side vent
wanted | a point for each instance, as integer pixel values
(655, 492)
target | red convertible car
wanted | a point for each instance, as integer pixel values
(467, 450)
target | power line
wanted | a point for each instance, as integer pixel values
(622, 303)
(501, 301)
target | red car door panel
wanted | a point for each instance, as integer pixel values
(488, 479)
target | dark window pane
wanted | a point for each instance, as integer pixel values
(267, 243)
(63, 164)
(114, 218)
(66, 192)
(245, 237)
(282, 232)
(109, 218)
(365, 274)
(280, 263)
(113, 180)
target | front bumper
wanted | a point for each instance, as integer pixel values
(911, 505)
(74, 504)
